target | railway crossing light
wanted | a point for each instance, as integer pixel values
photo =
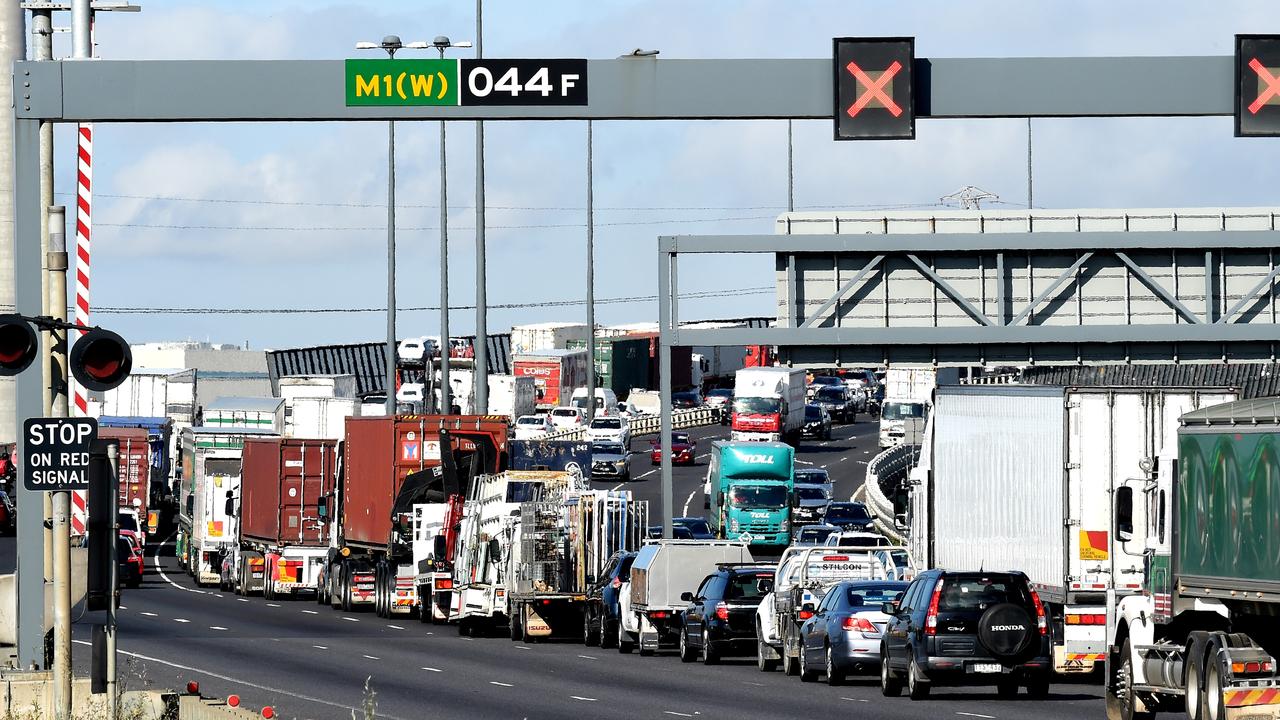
(99, 360)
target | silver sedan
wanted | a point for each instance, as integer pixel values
(844, 633)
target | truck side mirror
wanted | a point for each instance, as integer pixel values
(720, 498)
(890, 609)
(322, 507)
(807, 607)
(231, 503)
(1124, 513)
(764, 586)
(795, 500)
(495, 551)
(438, 548)
(686, 596)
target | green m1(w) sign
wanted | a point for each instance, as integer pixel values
(402, 82)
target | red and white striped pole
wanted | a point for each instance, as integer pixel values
(84, 235)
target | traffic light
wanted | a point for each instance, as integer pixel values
(100, 360)
(18, 345)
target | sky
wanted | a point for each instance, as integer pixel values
(292, 215)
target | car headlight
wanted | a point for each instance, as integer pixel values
(620, 464)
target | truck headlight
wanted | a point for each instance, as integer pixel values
(785, 526)
(733, 525)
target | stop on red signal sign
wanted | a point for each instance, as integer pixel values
(874, 88)
(1257, 92)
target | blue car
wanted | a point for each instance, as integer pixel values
(603, 612)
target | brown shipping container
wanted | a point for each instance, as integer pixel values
(281, 483)
(381, 451)
(133, 466)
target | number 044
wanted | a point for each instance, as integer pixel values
(481, 82)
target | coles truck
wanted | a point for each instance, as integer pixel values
(284, 530)
(371, 560)
(1203, 633)
(768, 404)
(555, 374)
(1025, 477)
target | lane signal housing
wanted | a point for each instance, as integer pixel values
(19, 345)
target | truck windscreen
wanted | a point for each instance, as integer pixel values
(902, 411)
(765, 496)
(755, 405)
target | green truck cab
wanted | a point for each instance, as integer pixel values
(750, 490)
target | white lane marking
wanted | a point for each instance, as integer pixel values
(320, 647)
(242, 599)
(395, 627)
(584, 699)
(238, 681)
(272, 605)
(164, 575)
(523, 647)
(703, 455)
(149, 614)
(645, 475)
(803, 462)
(370, 657)
(748, 682)
(673, 712)
(688, 501)
(350, 619)
(431, 669)
(969, 714)
(866, 452)
(841, 459)
(121, 607)
(500, 684)
(311, 612)
(854, 699)
(588, 657)
(216, 627)
(615, 487)
(181, 620)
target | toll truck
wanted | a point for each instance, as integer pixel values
(1203, 635)
(750, 490)
(1025, 477)
(370, 561)
(284, 531)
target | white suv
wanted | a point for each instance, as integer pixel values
(532, 426)
(610, 429)
(565, 417)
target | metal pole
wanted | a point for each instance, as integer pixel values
(1030, 189)
(391, 267)
(42, 49)
(665, 326)
(791, 172)
(446, 404)
(113, 701)
(481, 370)
(81, 35)
(57, 261)
(591, 285)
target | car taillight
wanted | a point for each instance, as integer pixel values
(1041, 622)
(862, 624)
(617, 583)
(806, 614)
(931, 619)
(722, 611)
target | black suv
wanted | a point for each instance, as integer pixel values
(721, 617)
(602, 613)
(966, 628)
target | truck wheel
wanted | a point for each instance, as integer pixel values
(345, 580)
(1194, 682)
(426, 605)
(790, 666)
(608, 637)
(268, 589)
(590, 635)
(1215, 707)
(763, 664)
(516, 624)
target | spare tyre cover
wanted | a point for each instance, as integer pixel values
(1006, 631)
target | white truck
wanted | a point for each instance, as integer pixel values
(1025, 477)
(490, 517)
(546, 336)
(150, 392)
(908, 392)
(511, 396)
(768, 404)
(663, 569)
(800, 582)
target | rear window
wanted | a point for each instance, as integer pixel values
(222, 466)
(979, 593)
(812, 534)
(624, 570)
(812, 412)
(565, 412)
(606, 424)
(873, 595)
(831, 393)
(127, 522)
(810, 493)
(747, 586)
(529, 420)
(848, 512)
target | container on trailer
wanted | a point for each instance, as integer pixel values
(133, 467)
(319, 417)
(317, 386)
(255, 413)
(281, 485)
(538, 337)
(555, 374)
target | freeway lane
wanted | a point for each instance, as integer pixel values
(308, 661)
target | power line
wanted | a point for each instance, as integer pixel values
(332, 228)
(117, 310)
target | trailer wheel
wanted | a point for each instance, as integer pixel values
(426, 605)
(516, 623)
(1214, 700)
(345, 580)
(1194, 681)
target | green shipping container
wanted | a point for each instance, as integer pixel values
(622, 363)
(1229, 494)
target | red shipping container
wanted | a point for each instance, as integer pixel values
(381, 451)
(281, 483)
(133, 466)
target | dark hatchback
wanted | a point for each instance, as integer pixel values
(966, 628)
(721, 617)
(603, 611)
(848, 516)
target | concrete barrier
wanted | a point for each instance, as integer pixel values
(889, 467)
(9, 596)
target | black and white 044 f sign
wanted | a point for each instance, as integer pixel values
(55, 453)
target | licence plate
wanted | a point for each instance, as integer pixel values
(985, 668)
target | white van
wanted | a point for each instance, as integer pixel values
(606, 401)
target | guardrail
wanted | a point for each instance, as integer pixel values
(888, 469)
(648, 424)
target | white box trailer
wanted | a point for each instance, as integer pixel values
(319, 417)
(153, 392)
(535, 338)
(317, 386)
(512, 396)
(1020, 477)
(259, 413)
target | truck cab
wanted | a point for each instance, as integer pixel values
(752, 491)
(902, 422)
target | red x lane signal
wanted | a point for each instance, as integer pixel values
(1257, 92)
(874, 88)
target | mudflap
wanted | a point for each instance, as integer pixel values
(534, 625)
(1075, 663)
(649, 635)
(769, 652)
